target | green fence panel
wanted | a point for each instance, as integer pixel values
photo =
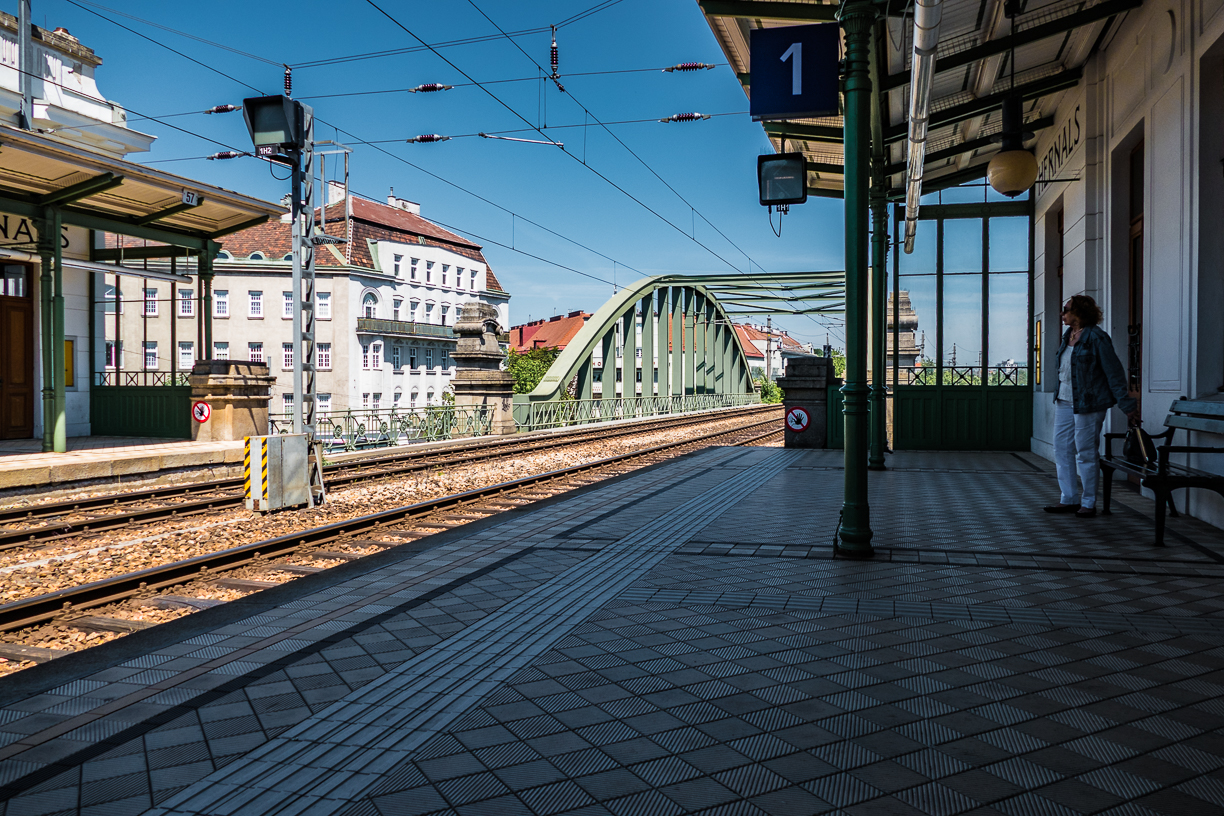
(966, 418)
(141, 410)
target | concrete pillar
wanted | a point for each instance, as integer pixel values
(479, 381)
(237, 392)
(806, 401)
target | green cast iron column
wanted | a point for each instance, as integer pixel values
(879, 341)
(857, 18)
(711, 347)
(54, 226)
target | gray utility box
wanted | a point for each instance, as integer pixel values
(276, 471)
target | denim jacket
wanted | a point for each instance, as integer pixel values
(1097, 378)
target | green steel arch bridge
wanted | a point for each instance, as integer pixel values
(678, 333)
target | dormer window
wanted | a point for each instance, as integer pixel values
(288, 257)
(257, 256)
(224, 256)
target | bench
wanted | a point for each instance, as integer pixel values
(1163, 476)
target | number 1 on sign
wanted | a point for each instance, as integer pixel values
(796, 51)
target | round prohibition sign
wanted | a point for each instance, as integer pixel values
(201, 411)
(797, 419)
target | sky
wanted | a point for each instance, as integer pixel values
(673, 198)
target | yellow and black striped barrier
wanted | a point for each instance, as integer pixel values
(255, 479)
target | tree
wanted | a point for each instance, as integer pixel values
(529, 367)
(839, 362)
(770, 390)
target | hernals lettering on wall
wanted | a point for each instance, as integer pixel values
(1064, 145)
(16, 231)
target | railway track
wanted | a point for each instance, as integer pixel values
(48, 522)
(68, 607)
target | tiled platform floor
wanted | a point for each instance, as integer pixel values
(679, 641)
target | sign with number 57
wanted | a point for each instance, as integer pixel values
(794, 71)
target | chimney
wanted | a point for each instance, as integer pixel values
(403, 204)
(335, 192)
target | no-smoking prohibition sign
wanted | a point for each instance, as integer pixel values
(201, 411)
(797, 419)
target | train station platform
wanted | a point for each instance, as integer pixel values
(113, 459)
(678, 640)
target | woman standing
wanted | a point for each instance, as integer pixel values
(1090, 380)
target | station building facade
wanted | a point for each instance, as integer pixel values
(1129, 208)
(386, 302)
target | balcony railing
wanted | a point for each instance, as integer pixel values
(390, 427)
(402, 328)
(532, 416)
(141, 378)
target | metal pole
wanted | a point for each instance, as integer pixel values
(25, 62)
(857, 17)
(174, 301)
(879, 389)
(769, 347)
(59, 441)
(46, 330)
(204, 263)
(295, 217)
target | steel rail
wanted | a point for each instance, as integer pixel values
(342, 473)
(44, 608)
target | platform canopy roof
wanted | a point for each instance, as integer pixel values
(99, 192)
(1052, 39)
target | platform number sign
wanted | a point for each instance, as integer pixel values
(797, 419)
(201, 411)
(794, 71)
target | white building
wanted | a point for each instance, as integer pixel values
(386, 304)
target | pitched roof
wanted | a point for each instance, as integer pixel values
(749, 336)
(371, 221)
(556, 332)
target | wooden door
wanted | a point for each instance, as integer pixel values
(16, 354)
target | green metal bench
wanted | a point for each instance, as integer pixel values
(1163, 476)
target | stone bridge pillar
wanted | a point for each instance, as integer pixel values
(237, 394)
(806, 394)
(479, 380)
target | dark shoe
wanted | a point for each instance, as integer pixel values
(1085, 512)
(1061, 508)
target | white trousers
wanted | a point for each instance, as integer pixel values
(1077, 441)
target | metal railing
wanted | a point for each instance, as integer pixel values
(1013, 375)
(534, 416)
(402, 328)
(141, 378)
(391, 427)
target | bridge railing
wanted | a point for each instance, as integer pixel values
(390, 427)
(535, 416)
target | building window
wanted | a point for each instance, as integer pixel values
(395, 399)
(445, 359)
(186, 303)
(395, 265)
(365, 401)
(114, 354)
(429, 271)
(395, 357)
(255, 352)
(323, 401)
(395, 308)
(412, 399)
(369, 305)
(221, 303)
(429, 312)
(323, 353)
(255, 305)
(412, 357)
(429, 397)
(445, 272)
(150, 354)
(150, 303)
(186, 355)
(413, 267)
(376, 355)
(377, 402)
(323, 305)
(445, 313)
(287, 305)
(220, 351)
(287, 404)
(365, 356)
(112, 300)
(412, 309)
(429, 359)
(459, 277)
(287, 355)
(473, 280)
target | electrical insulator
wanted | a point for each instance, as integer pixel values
(688, 66)
(288, 81)
(686, 117)
(224, 109)
(554, 52)
(430, 88)
(429, 137)
(227, 154)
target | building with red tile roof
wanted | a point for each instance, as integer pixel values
(554, 332)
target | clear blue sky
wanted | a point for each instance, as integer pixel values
(711, 163)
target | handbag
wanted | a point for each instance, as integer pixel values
(1138, 448)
